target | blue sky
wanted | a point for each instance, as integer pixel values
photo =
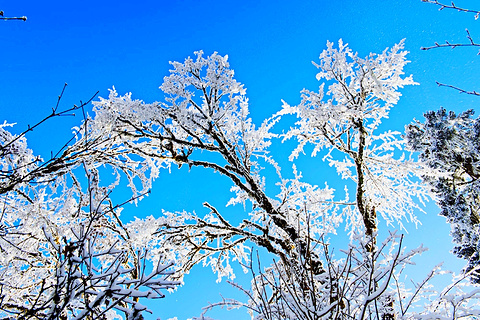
(94, 45)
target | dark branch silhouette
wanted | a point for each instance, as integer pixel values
(447, 44)
(2, 17)
(453, 6)
(475, 93)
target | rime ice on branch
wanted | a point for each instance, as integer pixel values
(66, 254)
(204, 116)
(84, 261)
(343, 123)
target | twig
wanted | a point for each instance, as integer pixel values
(447, 44)
(475, 93)
(453, 6)
(11, 18)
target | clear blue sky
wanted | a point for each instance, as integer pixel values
(94, 45)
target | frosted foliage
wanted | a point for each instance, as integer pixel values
(171, 130)
(65, 253)
(190, 239)
(449, 147)
(69, 252)
(342, 124)
(203, 122)
(359, 285)
(15, 154)
(204, 116)
(376, 77)
(310, 206)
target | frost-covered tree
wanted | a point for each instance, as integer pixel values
(449, 144)
(65, 251)
(344, 124)
(360, 285)
(83, 260)
(203, 122)
(206, 109)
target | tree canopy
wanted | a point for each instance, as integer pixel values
(71, 255)
(69, 251)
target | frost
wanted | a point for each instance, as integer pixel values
(449, 148)
(67, 251)
(344, 120)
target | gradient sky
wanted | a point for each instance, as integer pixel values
(94, 45)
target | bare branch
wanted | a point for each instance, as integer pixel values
(453, 6)
(447, 44)
(475, 93)
(2, 17)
